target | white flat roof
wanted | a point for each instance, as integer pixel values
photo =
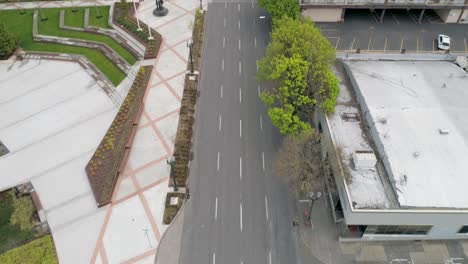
(407, 104)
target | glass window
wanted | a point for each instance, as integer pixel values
(399, 230)
(463, 230)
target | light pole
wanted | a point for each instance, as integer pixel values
(201, 6)
(314, 196)
(171, 163)
(190, 46)
(138, 22)
(149, 30)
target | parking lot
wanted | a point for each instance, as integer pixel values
(399, 32)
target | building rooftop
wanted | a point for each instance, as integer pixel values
(415, 120)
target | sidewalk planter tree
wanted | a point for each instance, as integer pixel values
(297, 61)
(280, 8)
(8, 42)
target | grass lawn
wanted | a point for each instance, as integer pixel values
(98, 17)
(94, 16)
(21, 25)
(9, 235)
(51, 27)
(38, 251)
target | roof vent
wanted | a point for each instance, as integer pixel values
(444, 131)
(364, 159)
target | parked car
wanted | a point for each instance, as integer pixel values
(443, 42)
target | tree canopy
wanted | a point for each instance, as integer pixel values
(8, 42)
(297, 61)
(280, 8)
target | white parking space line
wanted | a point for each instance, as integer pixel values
(241, 217)
(266, 207)
(240, 128)
(217, 166)
(385, 45)
(240, 95)
(220, 120)
(221, 91)
(263, 161)
(401, 45)
(240, 168)
(216, 208)
(368, 45)
(352, 43)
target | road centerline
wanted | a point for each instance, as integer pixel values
(241, 217)
(240, 168)
(240, 128)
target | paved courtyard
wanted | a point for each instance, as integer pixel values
(52, 118)
(399, 31)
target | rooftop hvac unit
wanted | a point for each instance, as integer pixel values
(364, 159)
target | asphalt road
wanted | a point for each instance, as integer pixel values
(400, 30)
(238, 212)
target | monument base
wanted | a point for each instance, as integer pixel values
(160, 12)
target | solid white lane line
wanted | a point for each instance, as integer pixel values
(240, 168)
(224, 42)
(216, 208)
(240, 68)
(255, 41)
(261, 123)
(222, 65)
(258, 90)
(217, 166)
(221, 92)
(263, 161)
(266, 207)
(214, 258)
(240, 95)
(241, 217)
(269, 258)
(239, 44)
(220, 120)
(240, 128)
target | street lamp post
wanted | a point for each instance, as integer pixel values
(201, 6)
(171, 163)
(314, 196)
(138, 22)
(190, 46)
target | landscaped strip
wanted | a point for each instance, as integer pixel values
(21, 26)
(110, 157)
(38, 251)
(50, 27)
(183, 141)
(123, 17)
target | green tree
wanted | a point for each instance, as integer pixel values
(289, 98)
(297, 61)
(8, 42)
(22, 214)
(280, 8)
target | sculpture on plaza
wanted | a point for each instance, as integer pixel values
(160, 10)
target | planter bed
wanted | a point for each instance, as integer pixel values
(171, 210)
(124, 18)
(109, 159)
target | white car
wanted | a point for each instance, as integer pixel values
(443, 42)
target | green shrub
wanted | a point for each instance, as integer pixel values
(22, 213)
(8, 42)
(39, 251)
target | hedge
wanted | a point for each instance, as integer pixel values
(38, 251)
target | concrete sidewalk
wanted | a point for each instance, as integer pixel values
(319, 244)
